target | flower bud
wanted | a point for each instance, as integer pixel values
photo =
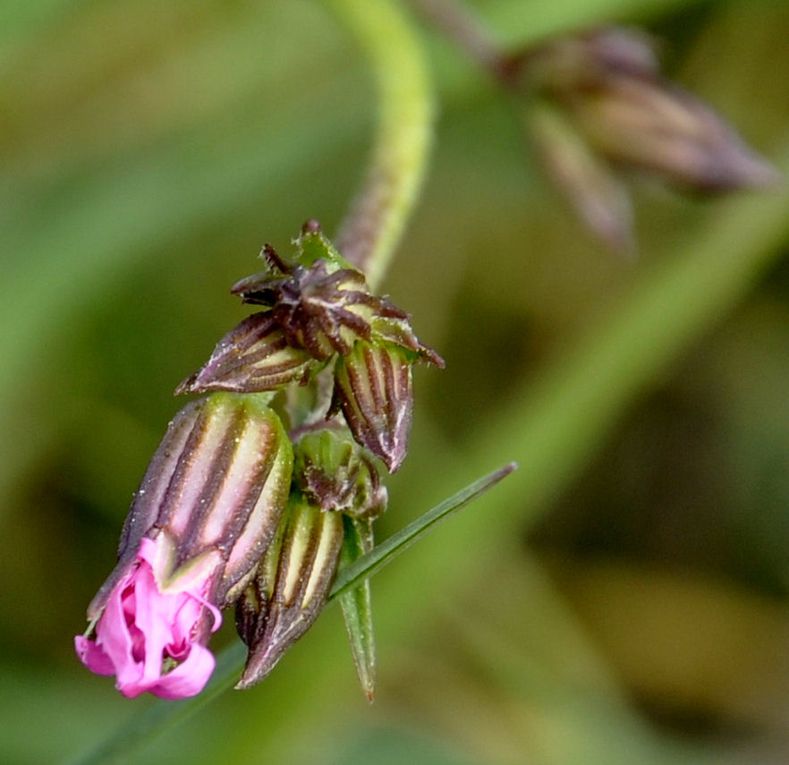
(315, 306)
(290, 588)
(254, 356)
(597, 104)
(333, 473)
(373, 387)
(207, 509)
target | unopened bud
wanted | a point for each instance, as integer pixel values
(374, 389)
(291, 587)
(649, 125)
(334, 474)
(254, 356)
(608, 84)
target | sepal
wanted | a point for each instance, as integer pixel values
(290, 589)
(374, 390)
(357, 604)
(333, 473)
(255, 356)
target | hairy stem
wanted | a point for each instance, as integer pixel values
(375, 221)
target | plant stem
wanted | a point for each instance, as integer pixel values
(375, 221)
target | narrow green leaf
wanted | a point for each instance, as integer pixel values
(384, 553)
(356, 604)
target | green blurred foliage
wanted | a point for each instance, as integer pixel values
(623, 602)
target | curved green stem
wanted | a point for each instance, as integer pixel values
(376, 219)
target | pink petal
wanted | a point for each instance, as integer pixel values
(93, 657)
(153, 617)
(141, 626)
(112, 634)
(189, 677)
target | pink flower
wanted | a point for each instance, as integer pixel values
(151, 634)
(206, 512)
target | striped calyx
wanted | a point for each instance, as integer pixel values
(217, 484)
(254, 356)
(314, 307)
(374, 390)
(333, 473)
(290, 588)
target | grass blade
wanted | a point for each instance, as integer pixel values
(386, 552)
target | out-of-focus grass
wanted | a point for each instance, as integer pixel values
(148, 149)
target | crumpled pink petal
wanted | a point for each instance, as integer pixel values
(93, 657)
(142, 626)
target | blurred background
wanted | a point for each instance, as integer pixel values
(622, 598)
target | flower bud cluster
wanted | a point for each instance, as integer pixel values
(599, 105)
(233, 510)
(317, 310)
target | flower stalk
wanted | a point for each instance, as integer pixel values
(377, 217)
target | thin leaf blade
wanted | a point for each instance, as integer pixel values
(387, 551)
(356, 604)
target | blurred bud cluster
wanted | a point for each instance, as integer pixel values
(598, 107)
(262, 487)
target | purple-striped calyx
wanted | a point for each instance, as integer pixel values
(317, 310)
(374, 390)
(208, 508)
(290, 588)
(333, 479)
